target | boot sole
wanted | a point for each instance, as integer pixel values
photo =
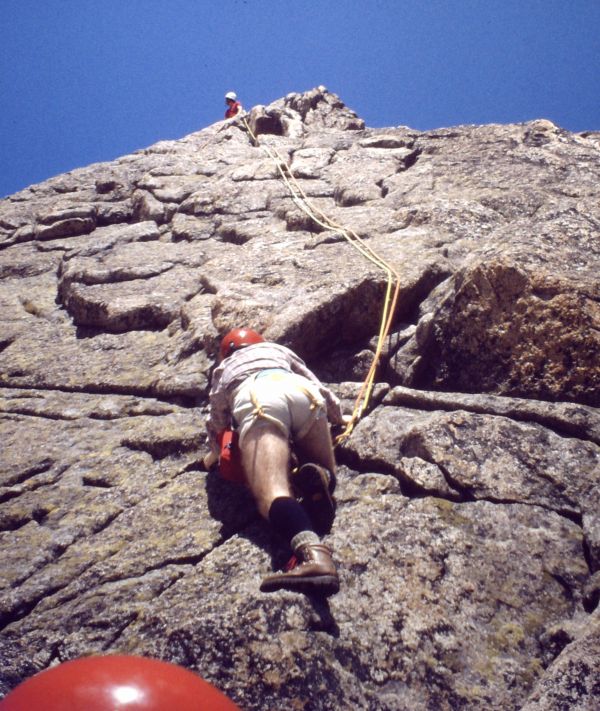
(319, 585)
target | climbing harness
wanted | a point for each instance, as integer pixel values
(302, 201)
(259, 413)
(230, 458)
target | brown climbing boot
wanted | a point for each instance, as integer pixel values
(314, 486)
(315, 573)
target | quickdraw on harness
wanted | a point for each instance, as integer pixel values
(301, 200)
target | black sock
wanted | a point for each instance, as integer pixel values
(288, 517)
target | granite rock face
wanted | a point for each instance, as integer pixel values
(468, 525)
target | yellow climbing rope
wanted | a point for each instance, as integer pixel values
(301, 200)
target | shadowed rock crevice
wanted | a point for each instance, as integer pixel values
(269, 122)
(39, 468)
(564, 419)
(165, 446)
(150, 391)
(348, 316)
(4, 343)
(350, 362)
(14, 523)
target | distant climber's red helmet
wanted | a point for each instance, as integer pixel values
(238, 338)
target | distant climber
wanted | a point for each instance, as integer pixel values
(233, 105)
(269, 395)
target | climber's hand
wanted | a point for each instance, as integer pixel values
(210, 460)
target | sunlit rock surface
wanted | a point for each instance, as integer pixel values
(468, 526)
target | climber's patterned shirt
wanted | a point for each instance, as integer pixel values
(248, 361)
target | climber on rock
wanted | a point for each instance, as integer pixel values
(269, 395)
(233, 105)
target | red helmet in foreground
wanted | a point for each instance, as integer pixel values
(116, 683)
(238, 338)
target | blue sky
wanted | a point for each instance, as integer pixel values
(83, 81)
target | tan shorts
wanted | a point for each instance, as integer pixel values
(289, 401)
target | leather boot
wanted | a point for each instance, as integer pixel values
(314, 573)
(314, 486)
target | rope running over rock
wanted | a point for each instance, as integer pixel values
(301, 200)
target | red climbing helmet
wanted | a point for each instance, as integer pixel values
(238, 338)
(116, 682)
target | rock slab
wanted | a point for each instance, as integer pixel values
(467, 533)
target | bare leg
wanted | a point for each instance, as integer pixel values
(316, 445)
(265, 456)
